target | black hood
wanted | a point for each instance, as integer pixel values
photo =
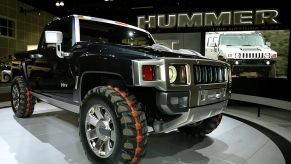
(136, 52)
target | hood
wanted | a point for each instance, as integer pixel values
(138, 52)
(235, 49)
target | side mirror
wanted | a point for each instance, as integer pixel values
(55, 38)
(212, 44)
(268, 44)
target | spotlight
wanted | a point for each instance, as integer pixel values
(62, 3)
(57, 4)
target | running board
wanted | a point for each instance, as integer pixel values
(57, 103)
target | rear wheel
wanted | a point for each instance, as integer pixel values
(113, 127)
(22, 101)
(202, 128)
(6, 78)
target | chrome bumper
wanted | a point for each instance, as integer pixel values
(193, 115)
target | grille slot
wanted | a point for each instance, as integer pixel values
(205, 74)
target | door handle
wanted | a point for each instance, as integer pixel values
(36, 56)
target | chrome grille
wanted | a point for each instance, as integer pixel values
(205, 74)
(251, 55)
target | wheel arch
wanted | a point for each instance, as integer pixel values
(91, 79)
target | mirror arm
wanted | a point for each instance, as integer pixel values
(66, 54)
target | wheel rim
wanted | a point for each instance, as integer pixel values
(100, 131)
(15, 96)
(6, 78)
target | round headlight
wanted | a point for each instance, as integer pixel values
(172, 74)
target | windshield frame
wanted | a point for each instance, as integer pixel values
(76, 28)
(240, 35)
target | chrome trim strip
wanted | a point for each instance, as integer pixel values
(77, 29)
(76, 82)
(192, 116)
(57, 103)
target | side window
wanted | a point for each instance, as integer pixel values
(209, 41)
(215, 40)
(65, 28)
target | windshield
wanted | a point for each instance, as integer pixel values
(241, 40)
(115, 34)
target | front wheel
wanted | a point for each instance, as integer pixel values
(202, 128)
(113, 127)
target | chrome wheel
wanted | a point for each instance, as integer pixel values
(15, 96)
(100, 131)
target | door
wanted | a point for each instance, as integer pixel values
(49, 74)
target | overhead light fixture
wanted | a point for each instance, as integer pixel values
(61, 3)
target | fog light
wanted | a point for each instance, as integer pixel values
(268, 62)
(236, 62)
(174, 100)
(179, 101)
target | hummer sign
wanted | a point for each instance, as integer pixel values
(208, 19)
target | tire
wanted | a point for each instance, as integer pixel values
(269, 72)
(204, 127)
(272, 71)
(22, 101)
(128, 125)
(6, 78)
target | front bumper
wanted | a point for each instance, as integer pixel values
(172, 103)
(251, 62)
(191, 116)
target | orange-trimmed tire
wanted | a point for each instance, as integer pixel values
(201, 129)
(22, 101)
(128, 123)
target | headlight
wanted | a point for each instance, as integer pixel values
(267, 55)
(274, 55)
(172, 74)
(178, 74)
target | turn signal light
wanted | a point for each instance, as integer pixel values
(148, 72)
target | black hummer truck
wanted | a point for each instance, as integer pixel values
(120, 83)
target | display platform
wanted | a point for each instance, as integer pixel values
(51, 136)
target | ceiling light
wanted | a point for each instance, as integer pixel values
(62, 3)
(57, 4)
